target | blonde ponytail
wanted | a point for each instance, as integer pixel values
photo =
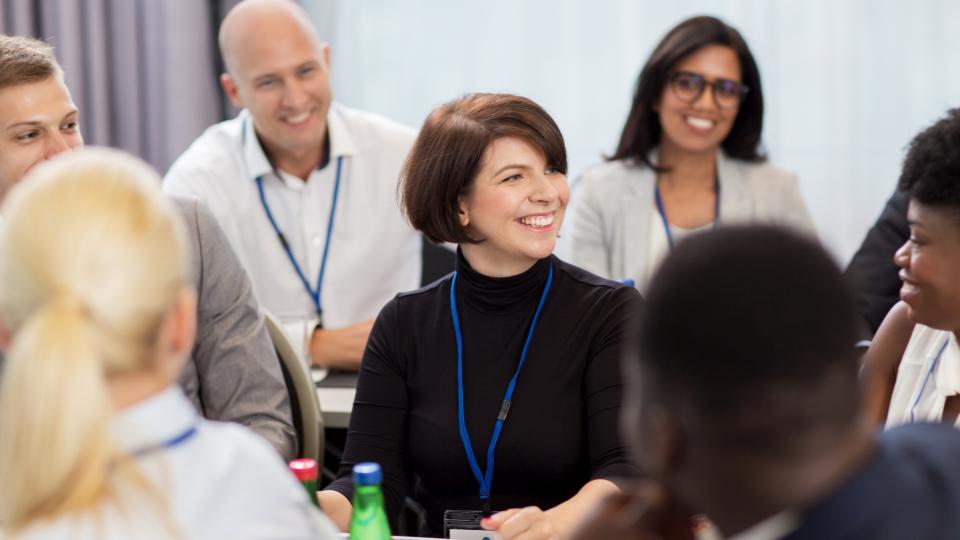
(94, 258)
(45, 399)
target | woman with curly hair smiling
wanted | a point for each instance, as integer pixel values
(912, 369)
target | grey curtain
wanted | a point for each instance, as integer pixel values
(143, 72)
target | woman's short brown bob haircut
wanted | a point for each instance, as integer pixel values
(449, 153)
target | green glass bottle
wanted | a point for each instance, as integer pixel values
(306, 472)
(369, 521)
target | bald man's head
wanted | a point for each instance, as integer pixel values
(250, 17)
(278, 70)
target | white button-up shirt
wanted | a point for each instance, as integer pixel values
(221, 481)
(373, 253)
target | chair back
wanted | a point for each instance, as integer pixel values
(307, 416)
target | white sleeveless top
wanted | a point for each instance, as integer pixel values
(929, 373)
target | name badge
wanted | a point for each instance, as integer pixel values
(465, 525)
(473, 534)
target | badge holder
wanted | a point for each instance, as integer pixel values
(465, 525)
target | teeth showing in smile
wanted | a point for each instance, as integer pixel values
(538, 221)
(700, 123)
(302, 117)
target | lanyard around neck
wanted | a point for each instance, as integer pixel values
(176, 440)
(485, 479)
(313, 292)
(933, 365)
(663, 212)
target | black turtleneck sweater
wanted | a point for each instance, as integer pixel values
(562, 426)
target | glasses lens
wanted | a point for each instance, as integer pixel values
(727, 92)
(688, 86)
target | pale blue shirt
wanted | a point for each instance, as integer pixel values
(221, 482)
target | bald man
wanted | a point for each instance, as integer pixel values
(304, 188)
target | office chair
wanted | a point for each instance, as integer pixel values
(307, 418)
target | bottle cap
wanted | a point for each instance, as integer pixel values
(304, 469)
(367, 474)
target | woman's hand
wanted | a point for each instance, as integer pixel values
(530, 523)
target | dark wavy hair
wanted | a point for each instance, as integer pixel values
(931, 169)
(642, 132)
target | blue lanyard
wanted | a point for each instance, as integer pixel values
(486, 479)
(933, 365)
(167, 444)
(663, 213)
(314, 293)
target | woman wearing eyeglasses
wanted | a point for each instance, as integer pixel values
(689, 158)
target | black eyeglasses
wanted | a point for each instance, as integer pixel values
(689, 86)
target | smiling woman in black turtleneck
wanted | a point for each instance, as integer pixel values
(513, 334)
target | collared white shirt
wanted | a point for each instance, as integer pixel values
(223, 481)
(373, 253)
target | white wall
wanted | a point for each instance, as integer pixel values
(847, 83)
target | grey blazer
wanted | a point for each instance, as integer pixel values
(234, 374)
(613, 203)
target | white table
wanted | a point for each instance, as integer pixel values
(335, 403)
(347, 537)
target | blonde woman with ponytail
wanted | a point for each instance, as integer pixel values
(98, 318)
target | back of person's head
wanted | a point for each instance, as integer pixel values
(94, 260)
(747, 344)
(642, 131)
(931, 169)
(449, 151)
(26, 60)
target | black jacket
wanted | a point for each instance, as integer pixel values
(871, 274)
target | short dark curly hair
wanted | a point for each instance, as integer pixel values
(931, 169)
(748, 334)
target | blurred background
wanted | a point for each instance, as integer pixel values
(846, 83)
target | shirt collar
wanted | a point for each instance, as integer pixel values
(341, 142)
(154, 420)
(253, 155)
